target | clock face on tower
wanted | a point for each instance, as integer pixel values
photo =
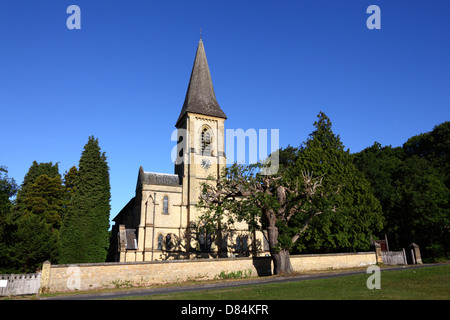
(205, 164)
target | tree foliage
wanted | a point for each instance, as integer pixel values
(8, 189)
(84, 234)
(45, 198)
(34, 172)
(33, 224)
(358, 213)
(34, 242)
(412, 184)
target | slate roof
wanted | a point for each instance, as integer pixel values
(200, 96)
(163, 179)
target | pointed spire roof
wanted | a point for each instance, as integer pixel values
(200, 96)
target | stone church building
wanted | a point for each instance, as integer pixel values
(162, 221)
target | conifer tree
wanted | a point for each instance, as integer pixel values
(357, 214)
(84, 234)
(45, 198)
(35, 171)
(33, 224)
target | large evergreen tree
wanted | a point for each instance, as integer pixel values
(45, 198)
(34, 242)
(34, 172)
(84, 234)
(357, 215)
(33, 224)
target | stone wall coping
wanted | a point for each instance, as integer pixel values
(202, 260)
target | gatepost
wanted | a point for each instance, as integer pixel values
(378, 253)
(45, 276)
(416, 250)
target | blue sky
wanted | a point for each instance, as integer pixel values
(275, 64)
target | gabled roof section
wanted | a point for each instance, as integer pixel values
(154, 178)
(200, 96)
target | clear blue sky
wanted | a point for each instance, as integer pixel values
(274, 64)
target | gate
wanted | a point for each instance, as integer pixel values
(394, 257)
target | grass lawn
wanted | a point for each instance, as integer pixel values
(429, 283)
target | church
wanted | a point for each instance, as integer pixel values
(161, 221)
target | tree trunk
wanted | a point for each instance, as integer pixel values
(281, 257)
(282, 262)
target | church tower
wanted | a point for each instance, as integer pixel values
(200, 133)
(162, 221)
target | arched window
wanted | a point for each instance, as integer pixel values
(166, 205)
(206, 142)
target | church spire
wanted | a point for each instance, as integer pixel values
(200, 96)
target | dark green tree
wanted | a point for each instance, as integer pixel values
(433, 146)
(8, 189)
(70, 178)
(46, 199)
(411, 183)
(357, 213)
(84, 234)
(422, 215)
(39, 201)
(379, 165)
(43, 205)
(36, 170)
(34, 242)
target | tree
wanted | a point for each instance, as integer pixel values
(379, 165)
(45, 198)
(283, 208)
(8, 189)
(34, 242)
(70, 178)
(411, 183)
(422, 214)
(84, 234)
(434, 146)
(317, 179)
(357, 215)
(36, 170)
(39, 201)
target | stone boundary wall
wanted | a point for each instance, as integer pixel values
(90, 276)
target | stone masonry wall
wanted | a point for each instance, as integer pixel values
(61, 278)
